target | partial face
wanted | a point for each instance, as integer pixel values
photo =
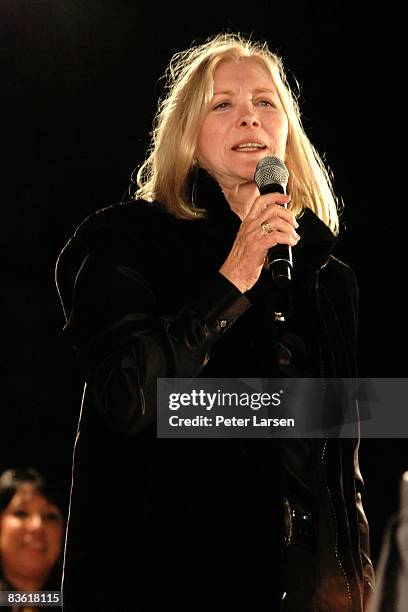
(31, 531)
(245, 122)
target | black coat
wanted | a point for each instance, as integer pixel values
(195, 524)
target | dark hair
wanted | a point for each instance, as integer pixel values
(11, 480)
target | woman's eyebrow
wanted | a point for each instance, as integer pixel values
(260, 90)
(228, 92)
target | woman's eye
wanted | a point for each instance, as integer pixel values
(51, 516)
(221, 105)
(265, 103)
(20, 513)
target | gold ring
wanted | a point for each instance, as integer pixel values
(266, 228)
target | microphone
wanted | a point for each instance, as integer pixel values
(271, 176)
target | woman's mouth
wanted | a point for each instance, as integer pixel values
(249, 147)
(35, 545)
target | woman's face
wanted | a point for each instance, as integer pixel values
(31, 531)
(245, 122)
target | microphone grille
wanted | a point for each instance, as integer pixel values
(271, 169)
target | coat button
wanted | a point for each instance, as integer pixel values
(222, 323)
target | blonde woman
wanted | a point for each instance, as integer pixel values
(175, 283)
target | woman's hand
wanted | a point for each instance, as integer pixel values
(244, 263)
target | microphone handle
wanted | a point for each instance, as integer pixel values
(279, 258)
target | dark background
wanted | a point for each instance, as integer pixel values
(80, 80)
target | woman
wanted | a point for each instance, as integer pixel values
(174, 284)
(31, 535)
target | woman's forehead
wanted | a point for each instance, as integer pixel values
(230, 66)
(27, 493)
(230, 72)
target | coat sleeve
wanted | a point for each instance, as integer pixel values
(363, 529)
(362, 522)
(344, 292)
(125, 343)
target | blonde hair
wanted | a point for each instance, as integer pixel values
(165, 172)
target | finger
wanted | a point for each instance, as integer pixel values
(278, 224)
(273, 212)
(276, 237)
(262, 202)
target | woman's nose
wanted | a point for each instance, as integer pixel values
(35, 522)
(248, 116)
